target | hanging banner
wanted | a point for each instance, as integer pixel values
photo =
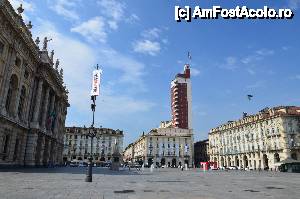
(96, 82)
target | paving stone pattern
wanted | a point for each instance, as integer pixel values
(163, 183)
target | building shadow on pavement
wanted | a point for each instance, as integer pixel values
(70, 170)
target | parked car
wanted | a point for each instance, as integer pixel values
(233, 168)
(73, 164)
(83, 164)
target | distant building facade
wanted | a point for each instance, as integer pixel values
(257, 141)
(172, 143)
(77, 144)
(181, 100)
(201, 152)
(128, 153)
(162, 146)
(33, 100)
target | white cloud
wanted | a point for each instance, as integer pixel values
(92, 30)
(251, 71)
(285, 48)
(131, 68)
(133, 19)
(195, 72)
(114, 104)
(251, 58)
(294, 4)
(230, 63)
(153, 33)
(151, 41)
(296, 77)
(65, 8)
(147, 47)
(265, 52)
(77, 74)
(113, 10)
(257, 55)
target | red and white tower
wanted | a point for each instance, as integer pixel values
(181, 100)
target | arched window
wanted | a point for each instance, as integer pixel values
(22, 102)
(11, 94)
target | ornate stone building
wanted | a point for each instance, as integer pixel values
(201, 152)
(257, 141)
(162, 146)
(33, 100)
(78, 143)
(128, 153)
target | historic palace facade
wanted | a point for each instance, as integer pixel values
(257, 141)
(201, 152)
(171, 147)
(172, 143)
(33, 100)
(78, 144)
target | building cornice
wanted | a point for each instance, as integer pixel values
(265, 114)
(17, 22)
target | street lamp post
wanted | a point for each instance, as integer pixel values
(91, 134)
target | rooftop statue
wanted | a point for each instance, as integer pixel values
(46, 40)
(52, 55)
(57, 64)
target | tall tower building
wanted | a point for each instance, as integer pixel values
(181, 100)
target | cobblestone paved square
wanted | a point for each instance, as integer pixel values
(162, 183)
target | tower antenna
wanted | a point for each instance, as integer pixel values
(189, 57)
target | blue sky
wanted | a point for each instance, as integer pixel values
(140, 48)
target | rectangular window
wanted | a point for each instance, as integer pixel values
(1, 48)
(18, 62)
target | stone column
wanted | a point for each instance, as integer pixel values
(49, 152)
(45, 109)
(43, 146)
(20, 83)
(52, 152)
(32, 139)
(57, 120)
(28, 100)
(38, 102)
(51, 109)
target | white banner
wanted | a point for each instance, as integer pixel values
(96, 82)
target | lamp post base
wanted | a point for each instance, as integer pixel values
(89, 172)
(88, 179)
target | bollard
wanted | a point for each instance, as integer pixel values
(143, 167)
